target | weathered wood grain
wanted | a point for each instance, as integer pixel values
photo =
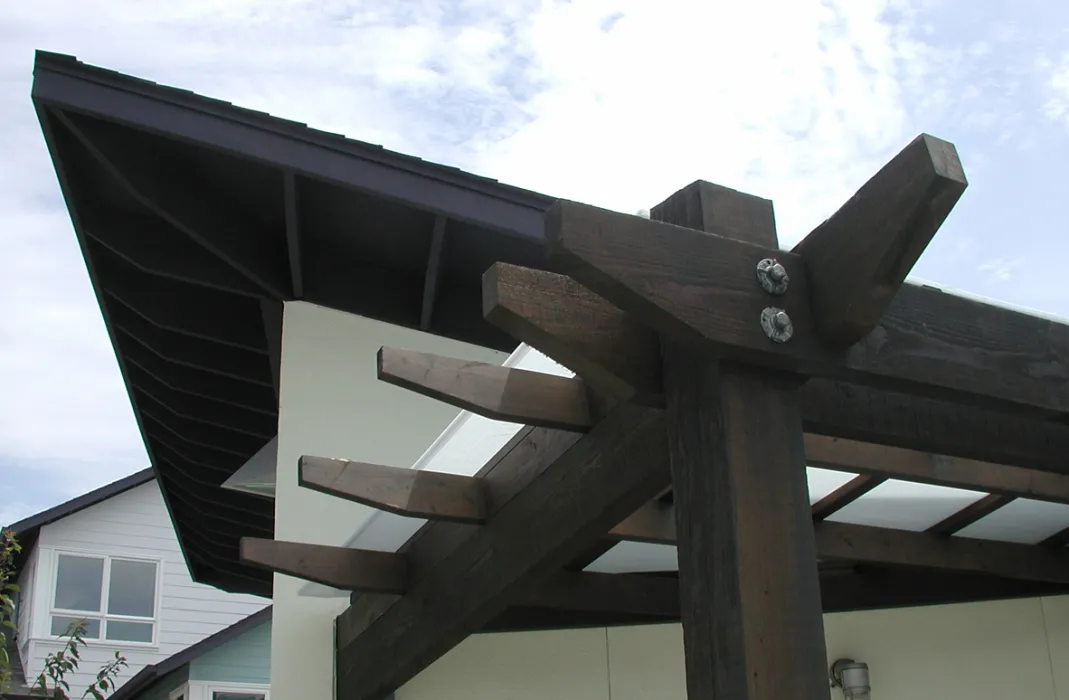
(575, 499)
(859, 257)
(701, 290)
(409, 492)
(493, 391)
(616, 354)
(338, 567)
(749, 587)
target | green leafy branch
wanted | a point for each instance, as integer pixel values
(51, 682)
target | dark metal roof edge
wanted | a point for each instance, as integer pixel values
(71, 66)
(82, 502)
(149, 675)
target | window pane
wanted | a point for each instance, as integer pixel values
(123, 631)
(229, 695)
(133, 588)
(61, 625)
(78, 583)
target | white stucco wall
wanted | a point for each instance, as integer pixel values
(976, 651)
(332, 405)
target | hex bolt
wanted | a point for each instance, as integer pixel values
(776, 324)
(772, 276)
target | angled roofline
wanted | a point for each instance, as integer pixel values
(66, 82)
(86, 500)
(510, 219)
(151, 674)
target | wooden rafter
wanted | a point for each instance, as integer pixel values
(617, 355)
(689, 372)
(876, 545)
(520, 396)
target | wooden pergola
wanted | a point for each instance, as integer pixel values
(711, 367)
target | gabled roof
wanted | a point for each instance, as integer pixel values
(147, 677)
(197, 219)
(28, 529)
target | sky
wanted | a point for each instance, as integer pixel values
(616, 103)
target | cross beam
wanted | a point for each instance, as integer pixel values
(735, 328)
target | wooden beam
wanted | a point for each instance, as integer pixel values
(197, 312)
(612, 351)
(493, 391)
(749, 586)
(225, 360)
(433, 274)
(617, 355)
(221, 438)
(575, 499)
(338, 567)
(630, 594)
(877, 545)
(702, 291)
(154, 248)
(409, 492)
(203, 410)
(290, 204)
(939, 470)
(958, 521)
(858, 258)
(197, 212)
(1058, 540)
(195, 381)
(845, 495)
(720, 211)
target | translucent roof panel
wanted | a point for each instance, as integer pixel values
(1022, 520)
(905, 506)
(824, 481)
(633, 557)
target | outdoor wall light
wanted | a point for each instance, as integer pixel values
(852, 677)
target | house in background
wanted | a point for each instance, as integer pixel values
(111, 557)
(293, 255)
(232, 664)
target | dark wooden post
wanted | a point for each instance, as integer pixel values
(749, 586)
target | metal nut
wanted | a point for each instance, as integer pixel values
(776, 324)
(772, 276)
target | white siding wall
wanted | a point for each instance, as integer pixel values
(27, 598)
(978, 651)
(133, 524)
(332, 405)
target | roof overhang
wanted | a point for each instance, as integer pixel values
(197, 219)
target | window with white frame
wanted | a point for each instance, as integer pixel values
(115, 596)
(229, 693)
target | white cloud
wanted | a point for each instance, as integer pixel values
(613, 102)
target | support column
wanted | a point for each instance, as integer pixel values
(749, 586)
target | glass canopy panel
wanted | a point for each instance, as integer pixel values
(824, 481)
(903, 505)
(1023, 520)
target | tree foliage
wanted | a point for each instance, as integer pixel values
(51, 682)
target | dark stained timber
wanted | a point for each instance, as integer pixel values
(614, 353)
(748, 581)
(408, 492)
(877, 545)
(845, 495)
(857, 259)
(576, 498)
(200, 214)
(493, 391)
(702, 290)
(340, 567)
